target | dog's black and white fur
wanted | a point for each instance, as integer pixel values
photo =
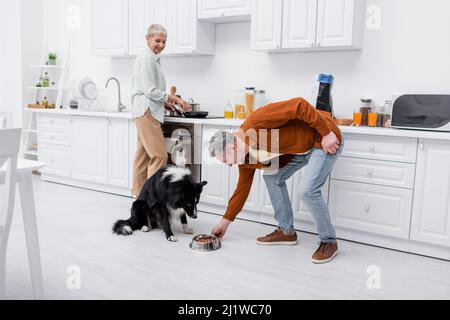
(169, 193)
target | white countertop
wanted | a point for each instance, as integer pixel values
(390, 132)
(76, 112)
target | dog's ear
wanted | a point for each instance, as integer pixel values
(199, 186)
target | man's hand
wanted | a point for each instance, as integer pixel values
(220, 230)
(330, 143)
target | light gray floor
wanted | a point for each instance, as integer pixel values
(75, 230)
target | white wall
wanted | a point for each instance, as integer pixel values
(409, 53)
(10, 57)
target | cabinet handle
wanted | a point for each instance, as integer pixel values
(369, 173)
(372, 147)
(278, 46)
(367, 208)
(312, 45)
(319, 44)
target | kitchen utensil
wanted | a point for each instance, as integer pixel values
(179, 110)
(205, 243)
(193, 106)
(173, 90)
(196, 114)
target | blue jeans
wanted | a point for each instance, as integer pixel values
(318, 167)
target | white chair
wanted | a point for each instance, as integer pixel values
(9, 147)
(5, 120)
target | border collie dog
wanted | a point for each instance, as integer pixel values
(169, 193)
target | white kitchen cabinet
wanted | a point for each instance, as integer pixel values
(266, 21)
(142, 14)
(109, 27)
(186, 34)
(431, 208)
(118, 152)
(87, 151)
(299, 24)
(224, 10)
(286, 25)
(56, 159)
(336, 23)
(89, 146)
(369, 208)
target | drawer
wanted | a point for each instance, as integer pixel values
(394, 174)
(380, 148)
(60, 138)
(368, 208)
(51, 122)
(56, 159)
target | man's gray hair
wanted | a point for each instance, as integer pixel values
(155, 29)
(219, 142)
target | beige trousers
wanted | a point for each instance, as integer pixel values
(151, 154)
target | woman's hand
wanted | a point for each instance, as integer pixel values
(176, 100)
(330, 143)
(220, 230)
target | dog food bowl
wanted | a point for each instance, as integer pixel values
(205, 243)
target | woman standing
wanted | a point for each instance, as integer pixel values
(148, 102)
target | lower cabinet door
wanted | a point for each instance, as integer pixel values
(431, 213)
(56, 159)
(89, 157)
(369, 208)
(118, 154)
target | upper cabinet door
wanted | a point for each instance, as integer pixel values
(109, 19)
(139, 18)
(335, 23)
(144, 13)
(299, 23)
(224, 10)
(266, 24)
(185, 25)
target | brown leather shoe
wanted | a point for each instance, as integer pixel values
(278, 237)
(325, 253)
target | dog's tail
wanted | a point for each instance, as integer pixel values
(137, 220)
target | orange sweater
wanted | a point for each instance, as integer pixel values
(301, 128)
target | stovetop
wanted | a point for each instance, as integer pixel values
(207, 117)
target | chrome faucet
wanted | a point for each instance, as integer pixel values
(120, 106)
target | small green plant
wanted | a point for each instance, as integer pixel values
(52, 58)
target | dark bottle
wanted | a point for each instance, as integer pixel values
(324, 98)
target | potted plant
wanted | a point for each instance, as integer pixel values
(52, 58)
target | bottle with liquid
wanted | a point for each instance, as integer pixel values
(228, 113)
(45, 102)
(45, 81)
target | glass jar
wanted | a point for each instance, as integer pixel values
(365, 109)
(249, 100)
